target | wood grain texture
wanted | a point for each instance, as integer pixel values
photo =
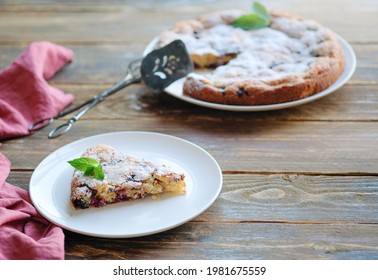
(246, 146)
(236, 241)
(120, 22)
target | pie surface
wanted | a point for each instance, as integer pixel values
(291, 59)
(126, 178)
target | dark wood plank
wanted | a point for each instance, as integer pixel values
(246, 146)
(120, 22)
(214, 241)
(350, 103)
(296, 198)
(284, 199)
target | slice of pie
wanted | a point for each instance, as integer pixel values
(292, 58)
(125, 178)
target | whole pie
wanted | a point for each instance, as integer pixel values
(125, 178)
(292, 58)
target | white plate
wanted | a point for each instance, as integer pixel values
(175, 89)
(50, 187)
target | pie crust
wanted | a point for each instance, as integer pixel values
(291, 59)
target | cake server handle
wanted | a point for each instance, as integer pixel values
(132, 76)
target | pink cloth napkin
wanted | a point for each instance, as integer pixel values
(24, 233)
(25, 95)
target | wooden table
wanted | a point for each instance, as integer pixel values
(299, 183)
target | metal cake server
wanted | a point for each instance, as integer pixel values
(157, 70)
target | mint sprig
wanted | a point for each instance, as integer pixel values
(90, 167)
(259, 18)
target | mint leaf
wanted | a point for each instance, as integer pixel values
(259, 18)
(250, 22)
(89, 166)
(89, 171)
(98, 174)
(260, 10)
